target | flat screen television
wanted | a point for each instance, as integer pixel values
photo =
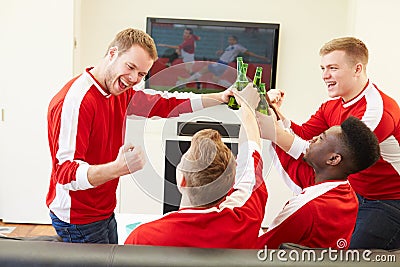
(207, 63)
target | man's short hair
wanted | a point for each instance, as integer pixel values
(361, 143)
(353, 47)
(209, 168)
(190, 30)
(234, 37)
(125, 39)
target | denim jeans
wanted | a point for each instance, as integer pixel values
(104, 231)
(378, 225)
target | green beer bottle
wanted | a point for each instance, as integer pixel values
(263, 104)
(257, 77)
(240, 83)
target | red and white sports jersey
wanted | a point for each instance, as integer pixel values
(323, 215)
(86, 127)
(382, 115)
(234, 223)
(189, 45)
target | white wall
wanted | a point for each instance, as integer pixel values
(36, 60)
(377, 25)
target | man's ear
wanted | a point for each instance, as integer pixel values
(334, 159)
(183, 182)
(113, 51)
(359, 68)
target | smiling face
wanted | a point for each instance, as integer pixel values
(339, 74)
(322, 147)
(127, 69)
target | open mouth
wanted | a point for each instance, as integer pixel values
(330, 84)
(122, 84)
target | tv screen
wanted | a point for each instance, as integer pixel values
(200, 55)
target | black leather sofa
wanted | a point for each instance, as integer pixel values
(31, 252)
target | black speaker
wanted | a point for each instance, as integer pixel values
(225, 129)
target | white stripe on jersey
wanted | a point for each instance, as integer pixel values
(302, 199)
(69, 118)
(282, 172)
(374, 108)
(390, 152)
(67, 146)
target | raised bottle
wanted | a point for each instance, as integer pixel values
(240, 83)
(257, 77)
(263, 104)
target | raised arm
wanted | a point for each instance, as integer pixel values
(294, 171)
(249, 161)
(169, 46)
(252, 54)
(248, 100)
(213, 99)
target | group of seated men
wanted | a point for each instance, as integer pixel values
(223, 198)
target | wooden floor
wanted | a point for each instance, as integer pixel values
(28, 230)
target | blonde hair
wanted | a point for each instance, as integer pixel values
(125, 39)
(354, 48)
(208, 162)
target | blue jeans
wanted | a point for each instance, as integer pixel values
(378, 225)
(104, 231)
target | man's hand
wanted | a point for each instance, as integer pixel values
(276, 96)
(249, 97)
(213, 99)
(267, 125)
(226, 94)
(131, 158)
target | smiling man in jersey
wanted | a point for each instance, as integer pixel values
(343, 63)
(221, 196)
(324, 213)
(86, 121)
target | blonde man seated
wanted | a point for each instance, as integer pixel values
(223, 199)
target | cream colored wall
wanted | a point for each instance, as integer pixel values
(36, 60)
(377, 25)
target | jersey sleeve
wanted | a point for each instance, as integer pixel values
(249, 194)
(241, 48)
(68, 134)
(150, 103)
(296, 173)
